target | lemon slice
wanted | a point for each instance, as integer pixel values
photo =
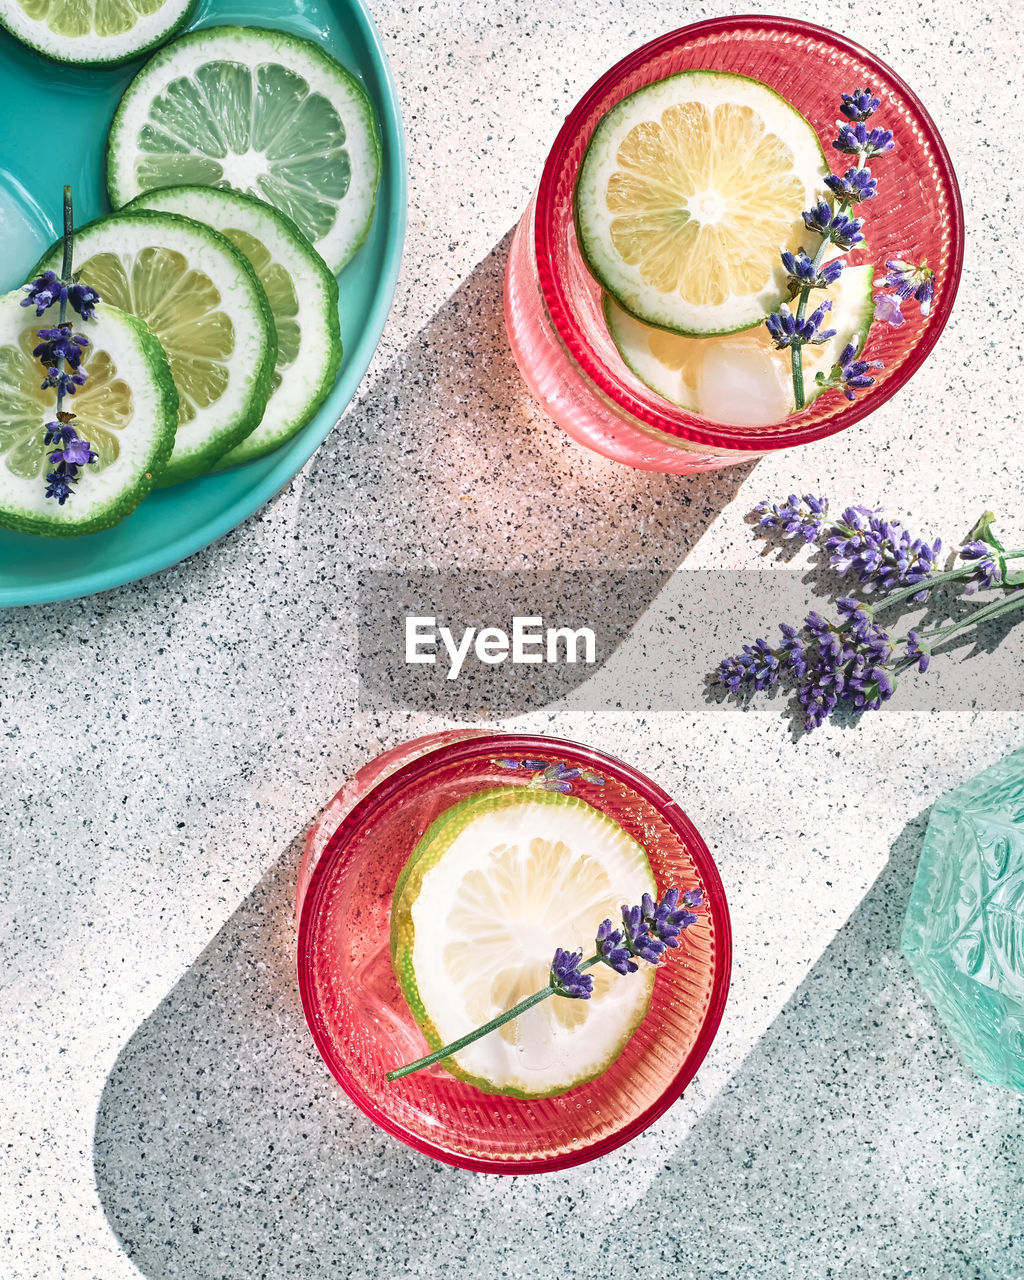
(94, 33)
(263, 112)
(127, 410)
(740, 378)
(201, 298)
(303, 297)
(498, 882)
(689, 188)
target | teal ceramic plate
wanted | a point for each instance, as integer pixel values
(55, 123)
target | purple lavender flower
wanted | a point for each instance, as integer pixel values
(78, 453)
(71, 454)
(879, 552)
(788, 331)
(44, 291)
(60, 344)
(887, 309)
(57, 486)
(918, 650)
(803, 274)
(566, 978)
(856, 140)
(910, 281)
(850, 374)
(855, 185)
(609, 942)
(666, 919)
(794, 518)
(837, 227)
(793, 649)
(637, 937)
(65, 383)
(860, 104)
(987, 572)
(83, 298)
(757, 666)
(59, 433)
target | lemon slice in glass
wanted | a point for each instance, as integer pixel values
(259, 111)
(498, 882)
(127, 410)
(94, 33)
(740, 378)
(688, 189)
(201, 298)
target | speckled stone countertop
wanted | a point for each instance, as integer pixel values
(164, 1111)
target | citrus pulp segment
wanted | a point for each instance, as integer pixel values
(94, 33)
(201, 298)
(741, 375)
(303, 297)
(263, 112)
(127, 410)
(687, 191)
(497, 883)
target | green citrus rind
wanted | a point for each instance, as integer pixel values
(306, 381)
(600, 260)
(158, 413)
(226, 422)
(427, 853)
(70, 50)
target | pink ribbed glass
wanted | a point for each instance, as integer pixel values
(359, 1018)
(553, 305)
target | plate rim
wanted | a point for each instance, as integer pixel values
(296, 452)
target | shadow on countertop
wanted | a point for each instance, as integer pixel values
(852, 1141)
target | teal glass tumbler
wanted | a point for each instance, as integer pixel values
(964, 929)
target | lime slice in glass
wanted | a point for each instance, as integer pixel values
(497, 883)
(687, 191)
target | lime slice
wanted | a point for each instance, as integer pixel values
(303, 297)
(94, 33)
(740, 378)
(687, 192)
(262, 112)
(201, 298)
(498, 882)
(127, 410)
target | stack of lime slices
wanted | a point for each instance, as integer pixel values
(498, 882)
(244, 164)
(687, 192)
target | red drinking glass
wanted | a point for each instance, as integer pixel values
(553, 305)
(359, 1018)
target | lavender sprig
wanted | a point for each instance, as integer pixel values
(60, 351)
(833, 223)
(647, 931)
(852, 659)
(556, 776)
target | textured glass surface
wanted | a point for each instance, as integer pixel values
(964, 931)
